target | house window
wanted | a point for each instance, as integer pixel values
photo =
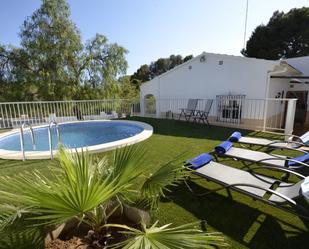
(229, 108)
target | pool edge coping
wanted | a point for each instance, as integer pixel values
(35, 155)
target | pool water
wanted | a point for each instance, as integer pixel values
(73, 135)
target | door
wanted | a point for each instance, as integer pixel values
(301, 105)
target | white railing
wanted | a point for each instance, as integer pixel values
(14, 114)
(256, 114)
(275, 115)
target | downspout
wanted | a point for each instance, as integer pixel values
(269, 74)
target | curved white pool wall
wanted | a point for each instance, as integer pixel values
(17, 155)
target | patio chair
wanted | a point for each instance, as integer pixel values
(280, 194)
(190, 110)
(293, 141)
(202, 115)
(249, 157)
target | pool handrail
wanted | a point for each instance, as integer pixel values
(22, 139)
(50, 139)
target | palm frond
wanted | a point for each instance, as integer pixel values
(9, 213)
(167, 175)
(29, 238)
(186, 236)
(76, 189)
(128, 163)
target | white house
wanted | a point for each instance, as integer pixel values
(247, 81)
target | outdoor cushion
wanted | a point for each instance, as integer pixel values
(223, 147)
(235, 136)
(199, 161)
(304, 158)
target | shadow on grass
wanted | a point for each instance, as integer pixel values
(178, 128)
(247, 225)
(271, 235)
(13, 167)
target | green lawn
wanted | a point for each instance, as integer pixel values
(244, 222)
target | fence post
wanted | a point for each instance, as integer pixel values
(289, 119)
(142, 107)
(158, 109)
(265, 114)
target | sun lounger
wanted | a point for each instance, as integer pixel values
(269, 190)
(202, 115)
(190, 110)
(293, 141)
(249, 157)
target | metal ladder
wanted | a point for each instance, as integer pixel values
(22, 139)
(50, 138)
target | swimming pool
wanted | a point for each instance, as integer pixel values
(95, 136)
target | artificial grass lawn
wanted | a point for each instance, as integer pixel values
(244, 222)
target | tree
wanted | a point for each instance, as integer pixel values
(175, 60)
(101, 64)
(52, 45)
(159, 67)
(285, 36)
(13, 67)
(127, 89)
(187, 58)
(156, 68)
(142, 74)
(53, 64)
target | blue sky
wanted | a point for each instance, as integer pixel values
(151, 29)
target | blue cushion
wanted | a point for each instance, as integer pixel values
(304, 158)
(199, 161)
(235, 136)
(223, 147)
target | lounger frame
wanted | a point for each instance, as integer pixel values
(294, 208)
(248, 161)
(275, 144)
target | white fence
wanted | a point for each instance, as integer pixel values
(13, 114)
(257, 114)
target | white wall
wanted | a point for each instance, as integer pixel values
(277, 107)
(276, 86)
(195, 79)
(207, 79)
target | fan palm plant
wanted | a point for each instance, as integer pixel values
(30, 238)
(186, 236)
(82, 188)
